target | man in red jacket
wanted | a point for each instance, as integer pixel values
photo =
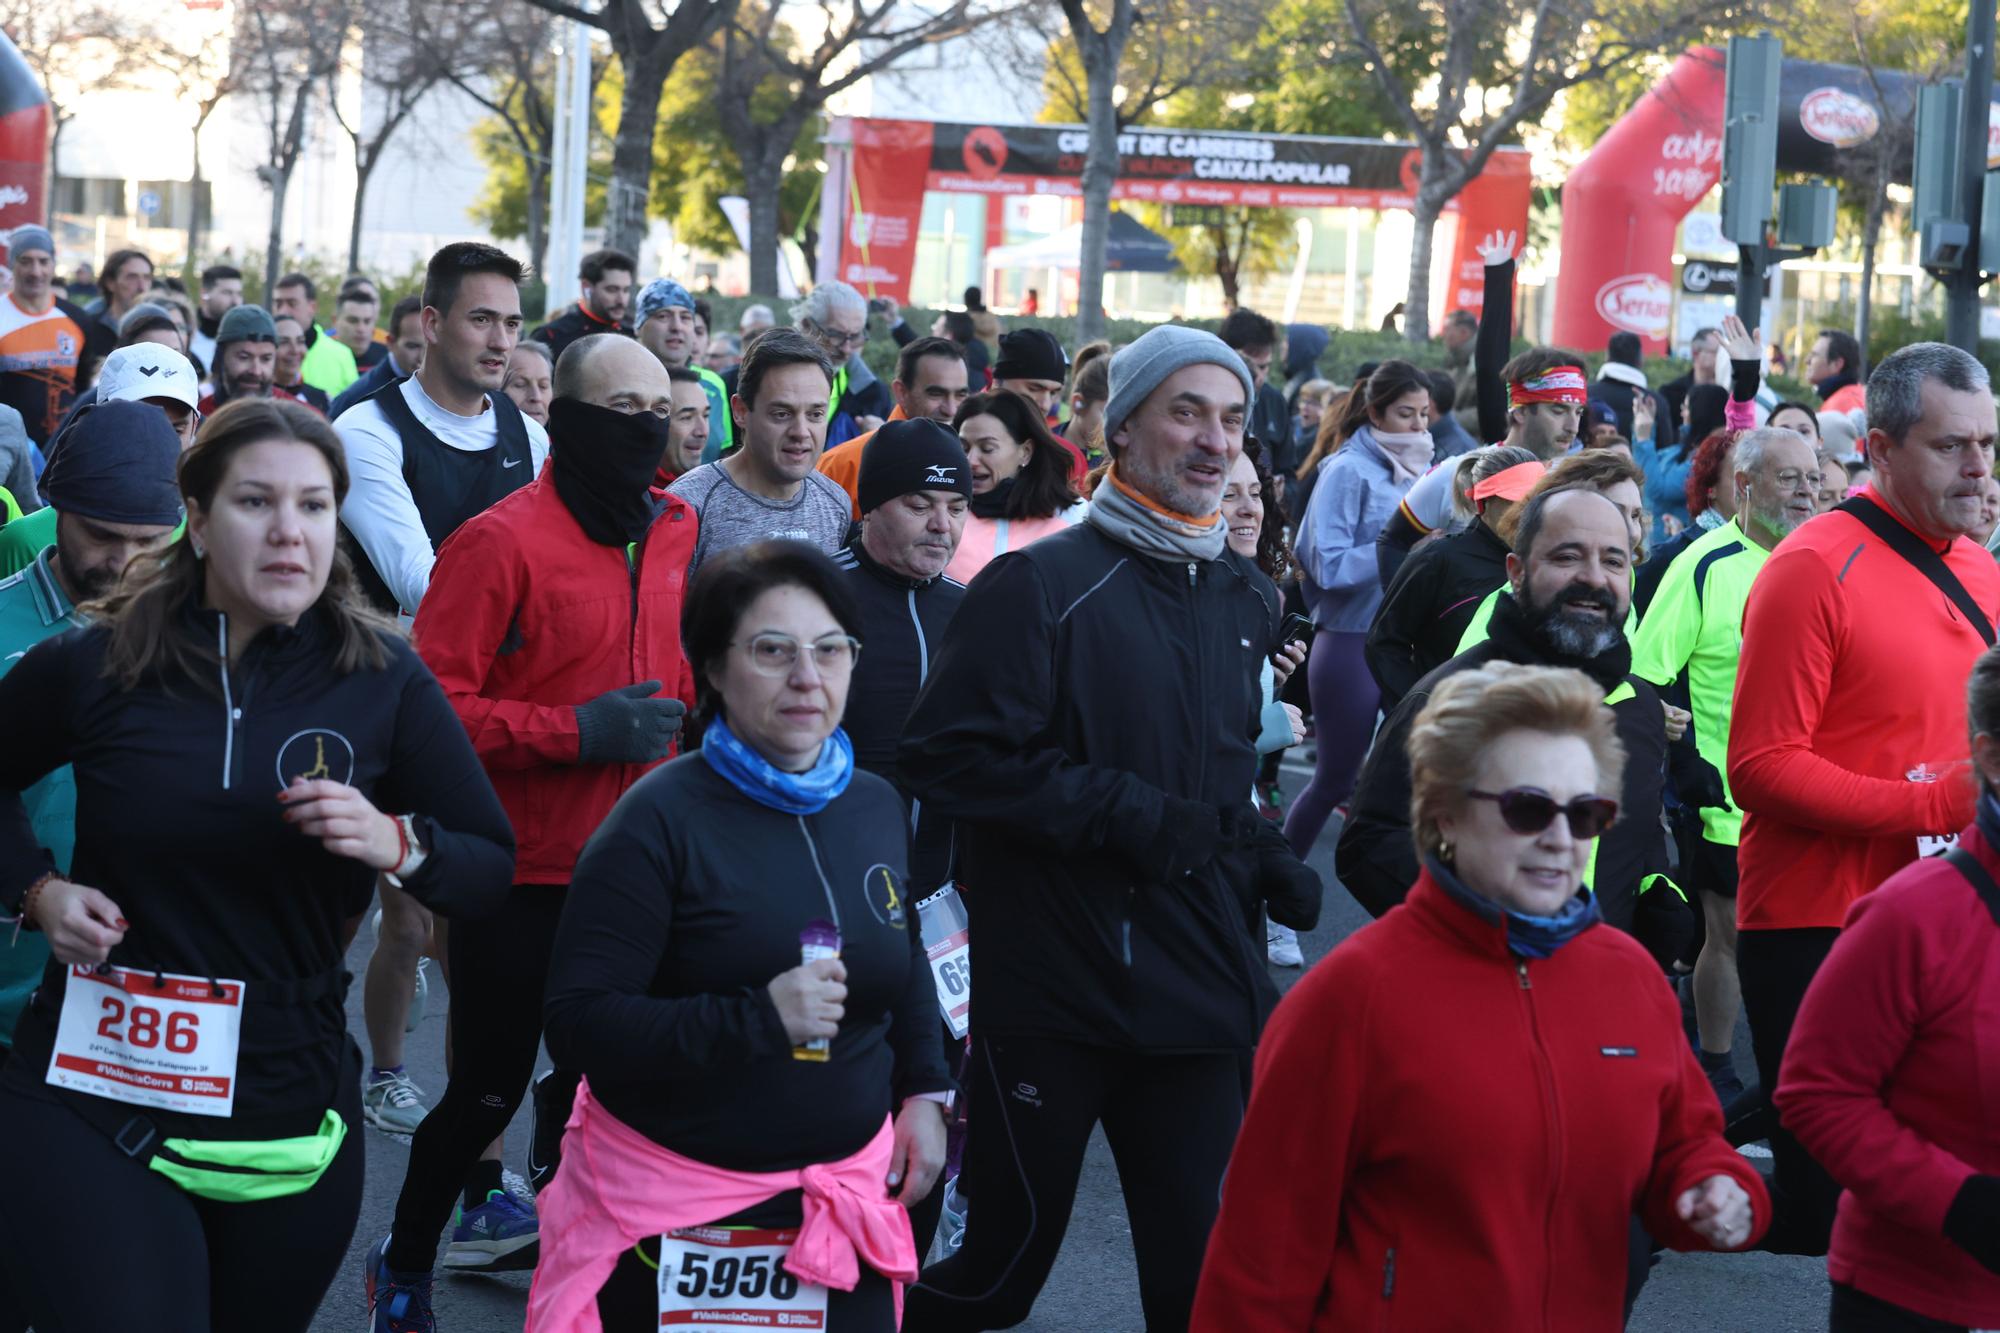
(552, 620)
(1847, 742)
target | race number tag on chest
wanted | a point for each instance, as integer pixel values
(164, 1041)
(947, 942)
(717, 1279)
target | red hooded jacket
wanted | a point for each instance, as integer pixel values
(1443, 1136)
(525, 618)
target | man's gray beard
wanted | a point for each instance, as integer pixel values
(1574, 634)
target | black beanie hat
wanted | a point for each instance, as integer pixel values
(906, 456)
(1031, 354)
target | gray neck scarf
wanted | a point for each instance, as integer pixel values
(1116, 512)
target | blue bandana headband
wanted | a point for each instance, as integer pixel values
(751, 773)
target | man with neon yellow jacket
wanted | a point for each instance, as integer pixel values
(1694, 630)
(1569, 589)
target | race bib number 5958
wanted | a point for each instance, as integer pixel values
(159, 1040)
(715, 1279)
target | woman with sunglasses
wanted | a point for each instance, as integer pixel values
(1457, 1114)
(739, 977)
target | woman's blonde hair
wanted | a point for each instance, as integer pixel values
(1473, 709)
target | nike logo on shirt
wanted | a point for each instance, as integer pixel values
(513, 462)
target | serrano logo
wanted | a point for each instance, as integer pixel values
(1838, 117)
(313, 754)
(1638, 303)
(985, 153)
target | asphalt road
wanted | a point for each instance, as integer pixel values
(1094, 1287)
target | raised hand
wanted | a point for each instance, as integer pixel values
(1498, 247)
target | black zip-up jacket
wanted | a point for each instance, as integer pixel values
(902, 627)
(1376, 858)
(687, 901)
(572, 324)
(1429, 603)
(1085, 694)
(178, 822)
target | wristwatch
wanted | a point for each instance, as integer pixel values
(416, 849)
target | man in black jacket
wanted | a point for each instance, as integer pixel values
(914, 491)
(1255, 339)
(1620, 382)
(1090, 724)
(1569, 579)
(606, 280)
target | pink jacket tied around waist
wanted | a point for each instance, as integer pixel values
(617, 1187)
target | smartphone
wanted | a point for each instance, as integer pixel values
(1296, 629)
(878, 305)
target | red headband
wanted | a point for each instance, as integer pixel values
(1560, 384)
(1510, 483)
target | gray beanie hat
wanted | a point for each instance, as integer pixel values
(1140, 366)
(143, 316)
(30, 236)
(246, 323)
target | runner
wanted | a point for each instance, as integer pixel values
(1395, 1169)
(221, 292)
(286, 377)
(1692, 638)
(930, 382)
(1874, 1081)
(768, 489)
(531, 377)
(835, 317)
(246, 360)
(328, 365)
(403, 357)
(687, 429)
(1021, 488)
(667, 323)
(1847, 742)
(575, 557)
(1120, 979)
(43, 338)
(248, 660)
(740, 977)
(606, 277)
(126, 277)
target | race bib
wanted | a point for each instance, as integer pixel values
(719, 1279)
(164, 1041)
(1929, 846)
(947, 941)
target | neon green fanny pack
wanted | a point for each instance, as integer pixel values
(249, 1171)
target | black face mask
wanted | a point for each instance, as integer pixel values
(602, 462)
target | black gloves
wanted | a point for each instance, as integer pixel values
(1973, 1221)
(1193, 833)
(1291, 889)
(627, 726)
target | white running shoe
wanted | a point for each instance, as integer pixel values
(951, 1222)
(1281, 945)
(393, 1103)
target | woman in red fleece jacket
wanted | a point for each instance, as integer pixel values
(1892, 1077)
(1457, 1114)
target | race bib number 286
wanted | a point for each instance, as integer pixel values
(717, 1279)
(160, 1040)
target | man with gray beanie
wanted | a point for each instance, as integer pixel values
(44, 340)
(246, 359)
(1091, 724)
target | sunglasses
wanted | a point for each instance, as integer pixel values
(1529, 811)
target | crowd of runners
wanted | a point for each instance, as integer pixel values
(694, 705)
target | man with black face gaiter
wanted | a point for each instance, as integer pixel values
(1569, 586)
(581, 555)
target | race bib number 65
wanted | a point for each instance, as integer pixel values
(715, 1279)
(159, 1040)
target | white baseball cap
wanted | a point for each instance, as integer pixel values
(148, 370)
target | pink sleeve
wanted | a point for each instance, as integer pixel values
(1739, 416)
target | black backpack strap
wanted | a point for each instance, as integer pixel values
(1966, 864)
(1919, 554)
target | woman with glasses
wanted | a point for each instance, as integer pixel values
(739, 977)
(1457, 1114)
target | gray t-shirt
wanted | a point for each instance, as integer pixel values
(731, 516)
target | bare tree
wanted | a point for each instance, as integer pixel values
(647, 42)
(399, 71)
(861, 37)
(1464, 76)
(74, 47)
(201, 71)
(288, 53)
(1129, 65)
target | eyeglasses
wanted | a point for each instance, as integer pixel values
(777, 654)
(1791, 479)
(841, 336)
(1528, 810)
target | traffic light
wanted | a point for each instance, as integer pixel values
(1937, 210)
(1805, 215)
(1750, 137)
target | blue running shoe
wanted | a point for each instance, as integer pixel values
(500, 1235)
(397, 1302)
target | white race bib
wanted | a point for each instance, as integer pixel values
(164, 1041)
(720, 1279)
(948, 943)
(1929, 846)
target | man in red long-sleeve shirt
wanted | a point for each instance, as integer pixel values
(1847, 742)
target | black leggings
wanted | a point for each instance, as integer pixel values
(1852, 1311)
(1774, 967)
(1171, 1121)
(93, 1240)
(499, 971)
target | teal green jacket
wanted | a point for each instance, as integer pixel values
(1695, 625)
(33, 608)
(721, 429)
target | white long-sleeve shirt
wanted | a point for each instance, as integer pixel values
(380, 511)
